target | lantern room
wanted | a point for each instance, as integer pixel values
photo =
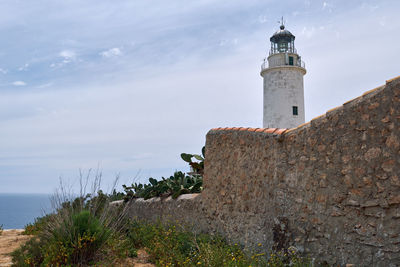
(282, 42)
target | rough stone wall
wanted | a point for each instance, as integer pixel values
(186, 211)
(330, 187)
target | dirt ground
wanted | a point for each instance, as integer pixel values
(142, 260)
(10, 240)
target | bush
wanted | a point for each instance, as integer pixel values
(77, 238)
(169, 246)
(38, 225)
(83, 231)
(174, 186)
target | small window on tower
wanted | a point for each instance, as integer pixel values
(291, 61)
(295, 110)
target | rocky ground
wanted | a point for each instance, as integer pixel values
(12, 239)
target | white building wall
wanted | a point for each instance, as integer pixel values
(283, 89)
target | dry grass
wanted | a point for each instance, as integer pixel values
(10, 240)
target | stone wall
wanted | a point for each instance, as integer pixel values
(330, 187)
(186, 211)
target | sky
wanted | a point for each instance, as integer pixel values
(124, 87)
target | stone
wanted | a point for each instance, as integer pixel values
(365, 117)
(380, 187)
(370, 203)
(352, 202)
(394, 179)
(388, 165)
(346, 159)
(321, 198)
(392, 142)
(372, 153)
(367, 181)
(373, 106)
(394, 200)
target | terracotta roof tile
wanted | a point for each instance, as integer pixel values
(280, 131)
(274, 131)
(269, 130)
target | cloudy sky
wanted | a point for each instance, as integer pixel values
(126, 86)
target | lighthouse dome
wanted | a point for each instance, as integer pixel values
(282, 35)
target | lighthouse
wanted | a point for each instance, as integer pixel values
(283, 73)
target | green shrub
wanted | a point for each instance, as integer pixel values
(29, 254)
(1, 229)
(169, 246)
(82, 232)
(196, 166)
(38, 225)
(174, 186)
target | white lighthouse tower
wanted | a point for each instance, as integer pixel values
(283, 83)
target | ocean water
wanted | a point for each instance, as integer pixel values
(17, 210)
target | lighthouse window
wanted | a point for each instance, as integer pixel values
(290, 60)
(295, 110)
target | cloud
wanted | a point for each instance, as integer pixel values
(3, 71)
(308, 32)
(19, 83)
(262, 19)
(112, 52)
(24, 67)
(45, 85)
(382, 21)
(68, 55)
(369, 7)
(327, 6)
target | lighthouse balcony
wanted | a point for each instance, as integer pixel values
(277, 50)
(281, 60)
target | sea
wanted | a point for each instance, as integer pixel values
(17, 210)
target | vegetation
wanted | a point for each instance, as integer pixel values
(176, 185)
(170, 246)
(90, 242)
(196, 166)
(83, 231)
(1, 229)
